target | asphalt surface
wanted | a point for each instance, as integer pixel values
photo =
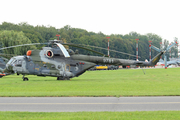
(74, 104)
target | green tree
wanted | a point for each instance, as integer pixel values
(12, 38)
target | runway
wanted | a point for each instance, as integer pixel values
(75, 104)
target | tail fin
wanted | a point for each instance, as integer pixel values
(156, 58)
(152, 62)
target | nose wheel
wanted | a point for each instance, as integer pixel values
(25, 78)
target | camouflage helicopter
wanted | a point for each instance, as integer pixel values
(64, 64)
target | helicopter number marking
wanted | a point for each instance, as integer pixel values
(107, 60)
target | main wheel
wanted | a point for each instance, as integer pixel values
(66, 78)
(58, 78)
(25, 79)
(63, 78)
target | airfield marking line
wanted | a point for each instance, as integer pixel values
(88, 103)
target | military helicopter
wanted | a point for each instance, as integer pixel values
(64, 64)
(3, 62)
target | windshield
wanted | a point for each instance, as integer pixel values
(10, 61)
(14, 62)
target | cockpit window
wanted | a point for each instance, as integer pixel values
(14, 62)
(19, 62)
(10, 61)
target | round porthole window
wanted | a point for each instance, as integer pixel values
(59, 66)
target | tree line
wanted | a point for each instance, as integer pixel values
(23, 33)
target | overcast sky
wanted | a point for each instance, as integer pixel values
(161, 17)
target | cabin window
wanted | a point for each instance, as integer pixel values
(67, 67)
(19, 63)
(59, 66)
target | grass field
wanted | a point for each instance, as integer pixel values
(128, 82)
(144, 115)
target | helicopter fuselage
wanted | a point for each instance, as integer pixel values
(41, 64)
(56, 61)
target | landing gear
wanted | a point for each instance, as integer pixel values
(59, 78)
(66, 78)
(63, 78)
(25, 78)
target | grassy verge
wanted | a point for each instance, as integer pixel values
(156, 82)
(144, 115)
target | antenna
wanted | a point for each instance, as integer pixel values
(150, 50)
(108, 45)
(58, 36)
(137, 49)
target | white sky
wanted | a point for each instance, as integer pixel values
(161, 17)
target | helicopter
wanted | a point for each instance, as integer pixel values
(3, 62)
(64, 64)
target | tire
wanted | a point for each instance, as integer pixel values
(25, 79)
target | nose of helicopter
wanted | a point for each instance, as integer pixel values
(8, 69)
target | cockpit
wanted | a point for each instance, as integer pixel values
(15, 61)
(11, 60)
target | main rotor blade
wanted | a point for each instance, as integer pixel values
(22, 45)
(76, 45)
(80, 45)
(7, 55)
(49, 43)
